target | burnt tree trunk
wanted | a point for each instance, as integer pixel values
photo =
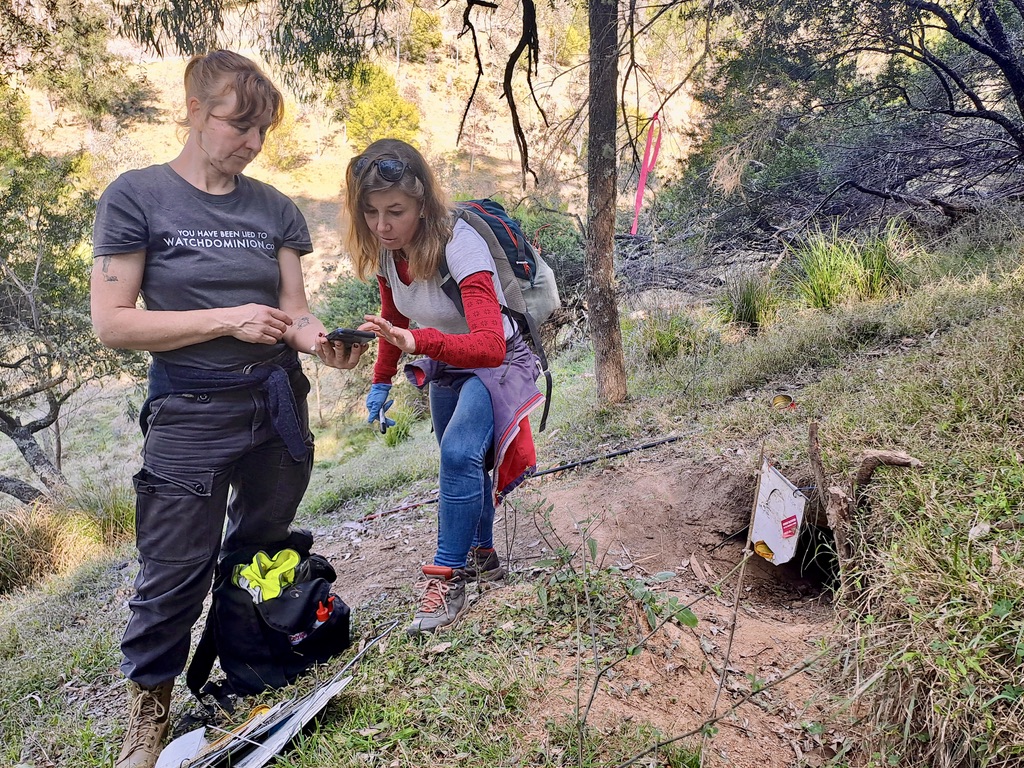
(609, 364)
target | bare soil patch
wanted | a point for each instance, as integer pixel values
(651, 513)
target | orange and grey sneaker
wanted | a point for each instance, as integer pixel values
(483, 566)
(442, 598)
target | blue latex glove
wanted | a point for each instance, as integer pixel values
(377, 404)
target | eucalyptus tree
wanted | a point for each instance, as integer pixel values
(49, 350)
(843, 108)
(61, 48)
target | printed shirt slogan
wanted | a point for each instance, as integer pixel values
(220, 238)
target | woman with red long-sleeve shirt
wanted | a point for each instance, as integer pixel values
(479, 370)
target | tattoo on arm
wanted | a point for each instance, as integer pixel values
(302, 322)
(106, 266)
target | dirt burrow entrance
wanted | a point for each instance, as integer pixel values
(651, 513)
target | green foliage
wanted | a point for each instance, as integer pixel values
(376, 109)
(657, 607)
(750, 300)
(659, 337)
(424, 36)
(575, 43)
(880, 259)
(402, 429)
(282, 150)
(833, 268)
(12, 135)
(49, 347)
(343, 302)
(828, 269)
(77, 69)
(66, 630)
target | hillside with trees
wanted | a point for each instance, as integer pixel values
(835, 219)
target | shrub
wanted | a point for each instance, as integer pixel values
(377, 110)
(343, 302)
(282, 150)
(424, 36)
(748, 300)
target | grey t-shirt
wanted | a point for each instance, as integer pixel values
(425, 302)
(203, 251)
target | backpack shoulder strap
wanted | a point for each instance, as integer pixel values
(506, 277)
(201, 665)
(515, 305)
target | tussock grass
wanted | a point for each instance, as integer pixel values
(826, 269)
(749, 300)
(831, 268)
(39, 540)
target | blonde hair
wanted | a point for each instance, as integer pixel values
(418, 182)
(212, 77)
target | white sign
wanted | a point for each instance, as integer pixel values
(778, 517)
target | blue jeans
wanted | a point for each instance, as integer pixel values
(464, 425)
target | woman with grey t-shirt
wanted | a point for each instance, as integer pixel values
(215, 257)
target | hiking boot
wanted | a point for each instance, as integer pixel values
(442, 598)
(147, 726)
(483, 565)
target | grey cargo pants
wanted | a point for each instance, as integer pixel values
(204, 455)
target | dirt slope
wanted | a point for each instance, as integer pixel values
(650, 513)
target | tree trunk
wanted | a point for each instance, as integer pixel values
(19, 489)
(609, 365)
(35, 456)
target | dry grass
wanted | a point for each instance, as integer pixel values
(934, 637)
(39, 540)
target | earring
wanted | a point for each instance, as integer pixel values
(422, 216)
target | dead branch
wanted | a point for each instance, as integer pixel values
(872, 460)
(952, 211)
(814, 454)
(841, 504)
(529, 42)
(467, 26)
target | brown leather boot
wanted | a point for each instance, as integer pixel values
(147, 726)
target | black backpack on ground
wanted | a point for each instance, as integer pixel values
(269, 644)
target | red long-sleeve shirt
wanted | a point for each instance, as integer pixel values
(482, 347)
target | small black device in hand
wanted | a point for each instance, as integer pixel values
(350, 336)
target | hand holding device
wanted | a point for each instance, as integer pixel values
(350, 336)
